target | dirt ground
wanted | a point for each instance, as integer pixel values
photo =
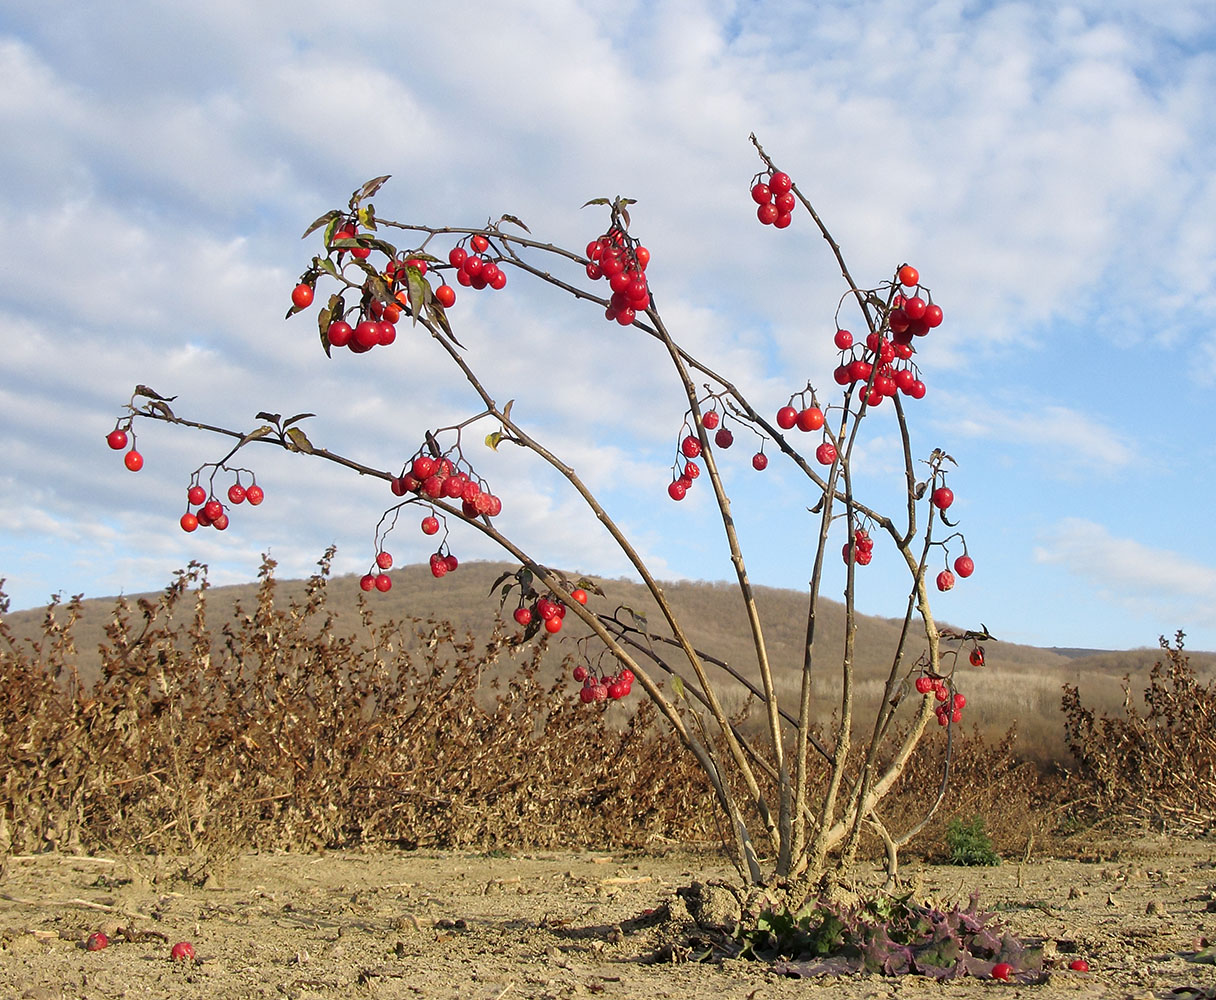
(450, 924)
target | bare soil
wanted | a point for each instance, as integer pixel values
(450, 924)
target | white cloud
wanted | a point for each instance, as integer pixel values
(1144, 580)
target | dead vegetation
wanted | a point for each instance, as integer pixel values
(269, 726)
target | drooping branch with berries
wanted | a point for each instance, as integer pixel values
(795, 798)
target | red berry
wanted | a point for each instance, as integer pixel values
(1079, 965)
(783, 220)
(523, 616)
(254, 494)
(691, 471)
(97, 940)
(943, 497)
(133, 460)
(677, 490)
(579, 673)
(690, 446)
(909, 277)
(384, 582)
(977, 656)
(810, 419)
(933, 315)
(340, 333)
(579, 596)
(843, 339)
(785, 203)
(724, 438)
(183, 951)
(236, 493)
(1002, 971)
(924, 684)
(759, 461)
(430, 525)
(117, 439)
(189, 521)
(367, 334)
(780, 182)
(825, 454)
(642, 256)
(384, 560)
(959, 701)
(553, 624)
(367, 581)
(945, 580)
(787, 416)
(914, 308)
(301, 296)
(761, 193)
(964, 566)
(480, 243)
(445, 295)
(196, 494)
(767, 213)
(213, 509)
(710, 419)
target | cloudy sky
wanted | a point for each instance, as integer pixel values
(1048, 167)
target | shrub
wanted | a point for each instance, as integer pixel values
(968, 843)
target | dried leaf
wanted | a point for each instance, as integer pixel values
(371, 187)
(253, 435)
(143, 390)
(515, 221)
(298, 416)
(324, 220)
(298, 440)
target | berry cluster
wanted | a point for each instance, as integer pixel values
(473, 270)
(376, 322)
(442, 478)
(595, 688)
(685, 469)
(774, 196)
(620, 259)
(547, 610)
(950, 707)
(941, 498)
(885, 364)
(211, 511)
(378, 579)
(117, 439)
(863, 548)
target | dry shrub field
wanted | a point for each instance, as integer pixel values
(296, 718)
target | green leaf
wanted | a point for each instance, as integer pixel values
(419, 291)
(677, 682)
(298, 441)
(324, 220)
(502, 579)
(493, 439)
(597, 201)
(328, 266)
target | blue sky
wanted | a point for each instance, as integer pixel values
(1048, 168)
